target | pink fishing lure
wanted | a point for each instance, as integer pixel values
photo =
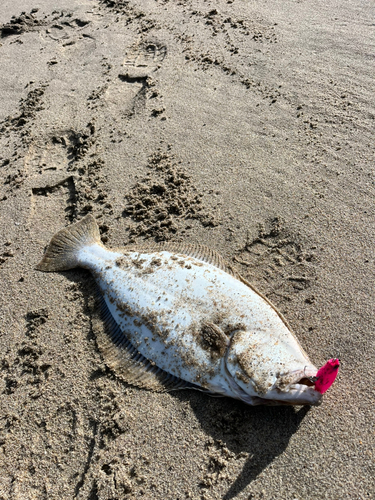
(326, 375)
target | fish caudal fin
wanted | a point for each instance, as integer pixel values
(61, 253)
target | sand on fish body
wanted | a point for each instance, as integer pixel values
(188, 315)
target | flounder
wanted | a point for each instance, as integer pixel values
(178, 316)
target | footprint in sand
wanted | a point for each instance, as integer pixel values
(47, 162)
(68, 32)
(287, 264)
(53, 202)
(47, 154)
(134, 87)
(142, 59)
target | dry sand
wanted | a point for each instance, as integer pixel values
(247, 126)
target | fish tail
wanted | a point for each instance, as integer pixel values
(62, 251)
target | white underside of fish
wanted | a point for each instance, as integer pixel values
(197, 321)
(162, 301)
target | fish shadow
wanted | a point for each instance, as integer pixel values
(261, 433)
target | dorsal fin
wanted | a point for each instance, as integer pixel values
(205, 254)
(124, 359)
(196, 250)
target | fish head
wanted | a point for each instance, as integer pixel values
(266, 371)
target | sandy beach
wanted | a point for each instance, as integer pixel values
(245, 126)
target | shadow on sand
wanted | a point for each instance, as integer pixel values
(261, 432)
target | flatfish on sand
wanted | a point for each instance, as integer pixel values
(178, 316)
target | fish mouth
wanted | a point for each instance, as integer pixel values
(293, 389)
(308, 381)
(300, 393)
(296, 388)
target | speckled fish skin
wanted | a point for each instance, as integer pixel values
(197, 322)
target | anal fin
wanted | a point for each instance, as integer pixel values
(124, 359)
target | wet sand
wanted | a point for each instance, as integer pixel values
(248, 127)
